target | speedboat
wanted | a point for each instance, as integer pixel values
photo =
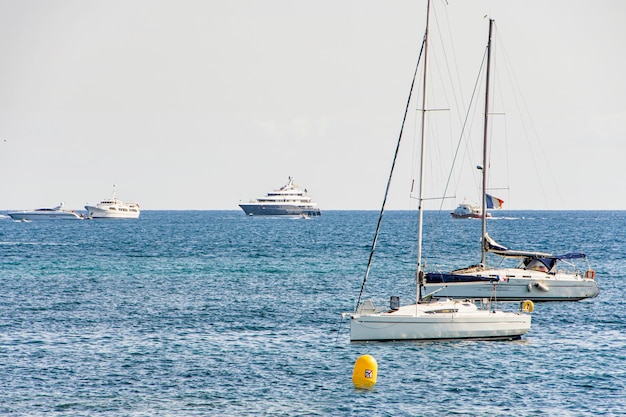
(53, 213)
(289, 200)
(112, 208)
(468, 210)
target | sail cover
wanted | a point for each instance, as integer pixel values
(494, 202)
(494, 247)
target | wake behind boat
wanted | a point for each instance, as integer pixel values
(53, 213)
(430, 319)
(289, 200)
(112, 208)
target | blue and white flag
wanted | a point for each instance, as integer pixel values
(494, 202)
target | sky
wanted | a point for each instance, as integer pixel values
(204, 104)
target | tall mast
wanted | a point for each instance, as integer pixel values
(419, 272)
(485, 156)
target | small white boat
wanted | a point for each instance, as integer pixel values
(53, 213)
(290, 200)
(468, 210)
(427, 318)
(112, 208)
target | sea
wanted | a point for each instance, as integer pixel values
(212, 313)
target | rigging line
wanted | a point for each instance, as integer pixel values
(458, 146)
(449, 62)
(528, 125)
(393, 165)
(339, 330)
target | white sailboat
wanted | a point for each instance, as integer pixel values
(538, 276)
(429, 319)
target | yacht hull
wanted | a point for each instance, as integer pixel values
(466, 216)
(409, 323)
(279, 210)
(94, 212)
(30, 216)
(534, 287)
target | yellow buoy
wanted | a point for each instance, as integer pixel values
(528, 306)
(365, 372)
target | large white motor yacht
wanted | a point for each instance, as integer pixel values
(112, 208)
(53, 213)
(288, 200)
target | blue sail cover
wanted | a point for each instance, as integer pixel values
(574, 255)
(439, 278)
(494, 247)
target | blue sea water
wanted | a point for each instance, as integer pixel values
(198, 313)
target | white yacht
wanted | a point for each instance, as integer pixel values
(52, 213)
(468, 210)
(112, 208)
(289, 200)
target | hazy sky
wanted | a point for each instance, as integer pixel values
(201, 104)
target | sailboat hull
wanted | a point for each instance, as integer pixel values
(513, 285)
(454, 321)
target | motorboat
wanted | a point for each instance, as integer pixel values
(52, 213)
(429, 318)
(112, 208)
(289, 200)
(468, 210)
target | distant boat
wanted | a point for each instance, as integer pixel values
(429, 319)
(470, 210)
(53, 213)
(289, 200)
(112, 208)
(538, 277)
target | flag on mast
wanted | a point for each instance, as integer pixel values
(494, 202)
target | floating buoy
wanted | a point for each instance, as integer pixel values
(365, 372)
(528, 306)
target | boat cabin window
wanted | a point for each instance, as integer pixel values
(535, 264)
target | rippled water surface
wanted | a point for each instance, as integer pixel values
(212, 313)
